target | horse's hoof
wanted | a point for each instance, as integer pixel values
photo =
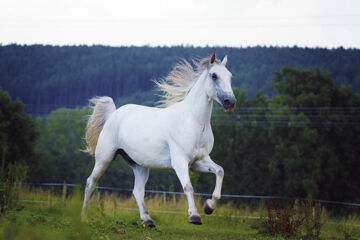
(148, 223)
(207, 209)
(195, 219)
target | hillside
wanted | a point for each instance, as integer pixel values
(47, 77)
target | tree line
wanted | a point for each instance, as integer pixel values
(48, 77)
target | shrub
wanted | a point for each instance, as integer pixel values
(10, 186)
(312, 218)
(282, 221)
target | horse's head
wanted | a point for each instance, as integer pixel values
(218, 85)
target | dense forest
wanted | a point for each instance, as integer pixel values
(48, 77)
(294, 132)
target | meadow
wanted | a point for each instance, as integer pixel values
(47, 214)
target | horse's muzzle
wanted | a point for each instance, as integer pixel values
(229, 110)
(229, 104)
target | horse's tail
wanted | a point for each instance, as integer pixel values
(102, 109)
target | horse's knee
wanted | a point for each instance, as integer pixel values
(138, 193)
(188, 188)
(220, 171)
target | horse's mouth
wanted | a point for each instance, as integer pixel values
(229, 110)
(228, 103)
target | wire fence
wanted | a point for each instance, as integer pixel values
(234, 196)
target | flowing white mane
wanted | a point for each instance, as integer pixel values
(180, 80)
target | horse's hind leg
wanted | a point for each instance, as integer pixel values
(141, 176)
(207, 165)
(103, 156)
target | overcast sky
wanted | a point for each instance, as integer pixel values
(312, 23)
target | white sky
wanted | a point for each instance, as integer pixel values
(312, 23)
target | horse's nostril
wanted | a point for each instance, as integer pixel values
(227, 101)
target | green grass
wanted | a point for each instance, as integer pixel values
(48, 216)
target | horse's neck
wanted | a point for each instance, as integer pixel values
(198, 102)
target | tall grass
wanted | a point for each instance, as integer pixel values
(44, 214)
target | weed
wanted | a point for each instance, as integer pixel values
(282, 221)
(10, 186)
(63, 196)
(312, 218)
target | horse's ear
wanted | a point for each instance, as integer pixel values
(224, 61)
(213, 57)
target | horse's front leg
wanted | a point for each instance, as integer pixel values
(180, 165)
(206, 165)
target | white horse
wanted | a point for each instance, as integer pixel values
(177, 136)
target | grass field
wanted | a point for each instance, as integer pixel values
(44, 215)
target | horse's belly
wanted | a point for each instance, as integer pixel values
(149, 157)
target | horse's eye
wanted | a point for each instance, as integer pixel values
(214, 76)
